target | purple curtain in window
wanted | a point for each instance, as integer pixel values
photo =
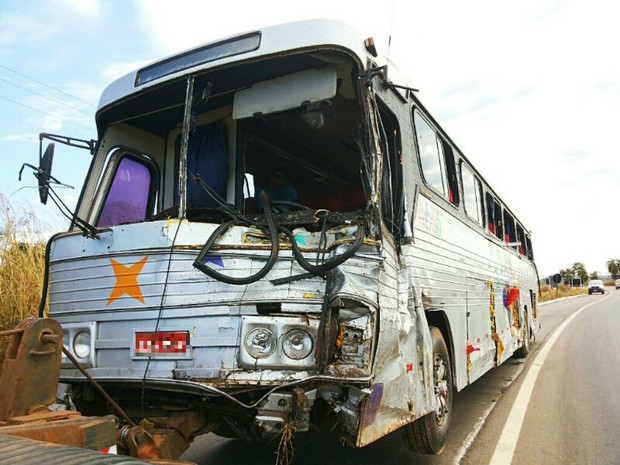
(128, 197)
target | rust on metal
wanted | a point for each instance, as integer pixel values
(33, 353)
(161, 443)
(42, 416)
(29, 383)
(74, 430)
(10, 332)
(156, 444)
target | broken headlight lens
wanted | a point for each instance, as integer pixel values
(260, 343)
(297, 344)
(81, 344)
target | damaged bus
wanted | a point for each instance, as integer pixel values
(274, 235)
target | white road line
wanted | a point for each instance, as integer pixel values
(505, 449)
(471, 437)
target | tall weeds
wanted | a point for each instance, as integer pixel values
(22, 254)
(547, 293)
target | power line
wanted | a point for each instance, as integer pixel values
(45, 85)
(45, 96)
(44, 112)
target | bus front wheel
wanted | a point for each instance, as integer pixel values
(428, 434)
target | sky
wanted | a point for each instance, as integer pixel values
(529, 91)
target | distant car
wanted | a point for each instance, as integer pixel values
(617, 283)
(596, 285)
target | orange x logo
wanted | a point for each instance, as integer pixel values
(126, 281)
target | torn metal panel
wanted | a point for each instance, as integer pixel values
(396, 405)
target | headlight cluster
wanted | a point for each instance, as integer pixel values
(261, 342)
(279, 342)
(77, 339)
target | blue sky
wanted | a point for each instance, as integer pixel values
(528, 91)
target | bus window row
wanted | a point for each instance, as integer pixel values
(438, 165)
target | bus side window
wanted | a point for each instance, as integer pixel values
(521, 240)
(453, 185)
(510, 235)
(494, 213)
(490, 216)
(528, 245)
(499, 225)
(471, 195)
(430, 155)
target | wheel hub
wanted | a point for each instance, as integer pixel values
(441, 390)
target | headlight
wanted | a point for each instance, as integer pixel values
(81, 344)
(260, 343)
(297, 344)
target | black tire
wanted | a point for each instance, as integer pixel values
(522, 351)
(427, 435)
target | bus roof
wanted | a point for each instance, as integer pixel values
(266, 41)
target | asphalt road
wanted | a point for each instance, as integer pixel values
(572, 416)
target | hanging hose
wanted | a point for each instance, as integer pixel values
(271, 230)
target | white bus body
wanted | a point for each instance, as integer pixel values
(305, 113)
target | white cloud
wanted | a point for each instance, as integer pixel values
(53, 123)
(87, 7)
(16, 29)
(21, 137)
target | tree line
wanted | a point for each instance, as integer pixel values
(579, 269)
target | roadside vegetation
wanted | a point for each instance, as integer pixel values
(22, 253)
(548, 293)
(613, 266)
(575, 275)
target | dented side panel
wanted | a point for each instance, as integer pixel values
(455, 269)
(402, 388)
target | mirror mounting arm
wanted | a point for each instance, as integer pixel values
(71, 141)
(382, 72)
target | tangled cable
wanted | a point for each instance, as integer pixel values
(271, 230)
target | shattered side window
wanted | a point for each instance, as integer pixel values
(128, 199)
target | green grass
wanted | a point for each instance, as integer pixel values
(22, 256)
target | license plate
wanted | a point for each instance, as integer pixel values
(162, 343)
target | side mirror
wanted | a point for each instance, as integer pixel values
(45, 172)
